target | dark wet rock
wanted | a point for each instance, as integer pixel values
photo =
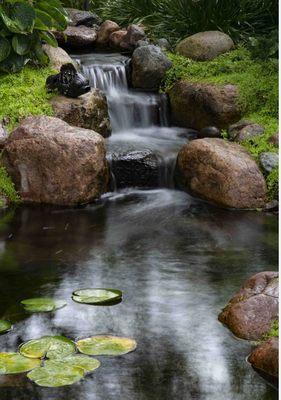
(265, 357)
(252, 311)
(269, 161)
(57, 57)
(80, 17)
(69, 82)
(106, 29)
(135, 169)
(222, 173)
(274, 139)
(77, 37)
(52, 162)
(197, 105)
(163, 44)
(135, 33)
(204, 46)
(244, 130)
(209, 131)
(272, 206)
(89, 111)
(149, 66)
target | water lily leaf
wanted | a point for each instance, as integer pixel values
(5, 326)
(42, 304)
(106, 345)
(88, 364)
(53, 347)
(56, 374)
(98, 296)
(14, 363)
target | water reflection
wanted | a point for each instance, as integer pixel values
(177, 261)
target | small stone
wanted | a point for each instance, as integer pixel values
(268, 161)
(274, 139)
(272, 206)
(244, 130)
(265, 357)
(209, 131)
(106, 29)
(135, 33)
(163, 44)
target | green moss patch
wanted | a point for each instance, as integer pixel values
(7, 187)
(274, 331)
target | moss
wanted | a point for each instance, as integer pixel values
(257, 82)
(274, 331)
(24, 94)
(7, 187)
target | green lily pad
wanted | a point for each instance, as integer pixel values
(5, 326)
(56, 374)
(106, 345)
(88, 364)
(99, 296)
(53, 347)
(42, 304)
(14, 363)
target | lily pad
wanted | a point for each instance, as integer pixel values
(106, 345)
(5, 326)
(98, 296)
(42, 304)
(14, 363)
(53, 347)
(88, 364)
(56, 374)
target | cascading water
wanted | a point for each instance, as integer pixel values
(139, 120)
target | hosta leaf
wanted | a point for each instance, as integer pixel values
(49, 38)
(13, 63)
(42, 304)
(43, 21)
(52, 347)
(14, 363)
(56, 374)
(19, 18)
(98, 296)
(59, 19)
(21, 44)
(106, 345)
(5, 326)
(5, 48)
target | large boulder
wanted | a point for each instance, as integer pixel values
(204, 46)
(89, 111)
(77, 37)
(55, 163)
(106, 29)
(222, 173)
(149, 66)
(252, 311)
(265, 358)
(196, 105)
(57, 57)
(80, 17)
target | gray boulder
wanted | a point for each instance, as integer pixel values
(244, 130)
(268, 161)
(77, 37)
(80, 17)
(57, 57)
(149, 66)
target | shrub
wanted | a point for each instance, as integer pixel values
(24, 24)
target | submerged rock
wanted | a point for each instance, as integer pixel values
(265, 358)
(77, 37)
(204, 46)
(89, 111)
(222, 173)
(197, 105)
(149, 66)
(135, 169)
(244, 130)
(252, 311)
(57, 57)
(52, 162)
(80, 17)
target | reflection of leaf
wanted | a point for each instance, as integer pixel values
(42, 304)
(53, 347)
(14, 363)
(96, 296)
(5, 326)
(106, 345)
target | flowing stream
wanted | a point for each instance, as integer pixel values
(178, 261)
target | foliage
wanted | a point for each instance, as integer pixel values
(24, 24)
(7, 187)
(176, 19)
(264, 47)
(16, 98)
(274, 331)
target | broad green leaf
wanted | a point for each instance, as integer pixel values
(52, 347)
(56, 374)
(14, 363)
(5, 326)
(13, 63)
(19, 17)
(100, 296)
(21, 44)
(59, 20)
(49, 38)
(42, 304)
(88, 364)
(106, 345)
(43, 21)
(5, 48)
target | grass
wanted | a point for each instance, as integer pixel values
(274, 331)
(257, 82)
(7, 187)
(24, 94)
